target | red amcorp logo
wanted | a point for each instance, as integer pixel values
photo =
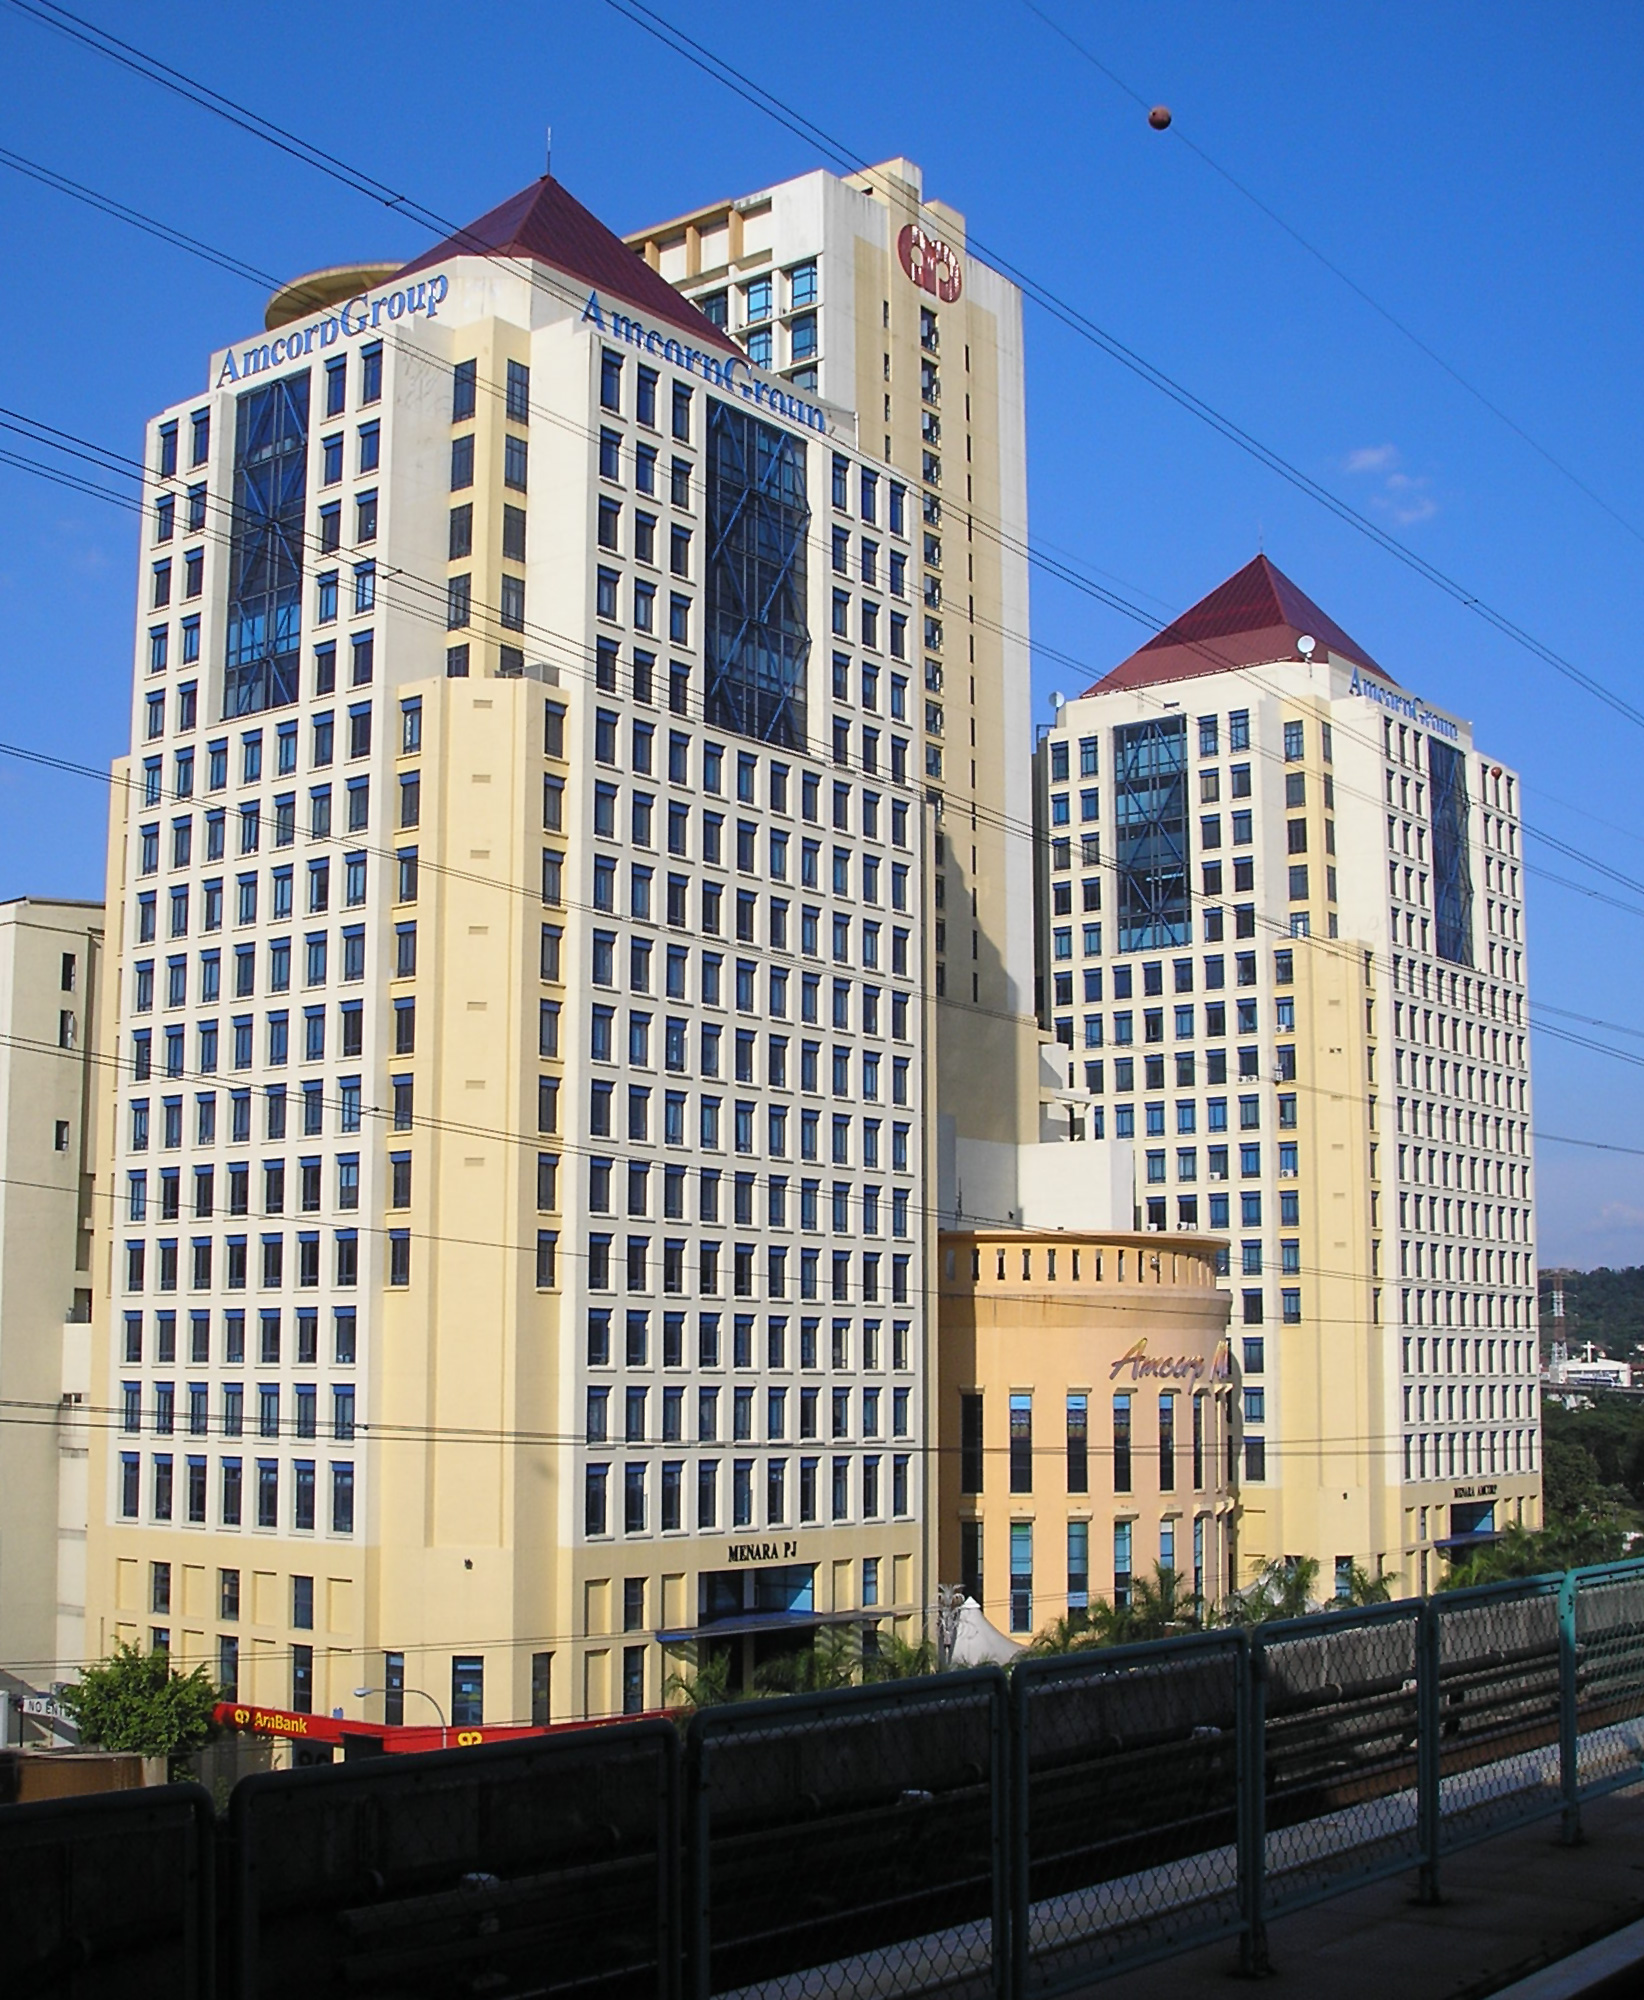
(929, 262)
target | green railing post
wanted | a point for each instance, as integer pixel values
(1251, 1813)
(1429, 1770)
(1009, 1824)
(670, 1857)
(1568, 1721)
(698, 1982)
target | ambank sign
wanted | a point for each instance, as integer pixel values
(365, 314)
(719, 371)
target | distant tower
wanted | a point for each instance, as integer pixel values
(1560, 1354)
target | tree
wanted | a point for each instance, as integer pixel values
(899, 1659)
(701, 1682)
(1072, 1634)
(830, 1662)
(1523, 1552)
(1284, 1589)
(1363, 1588)
(1603, 1306)
(1157, 1609)
(1571, 1485)
(139, 1702)
(1593, 1459)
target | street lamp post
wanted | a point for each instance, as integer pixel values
(361, 1693)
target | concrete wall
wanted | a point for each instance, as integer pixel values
(50, 964)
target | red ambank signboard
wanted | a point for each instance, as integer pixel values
(244, 1716)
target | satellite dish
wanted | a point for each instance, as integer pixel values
(1305, 646)
(1056, 703)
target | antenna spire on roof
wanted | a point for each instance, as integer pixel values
(548, 150)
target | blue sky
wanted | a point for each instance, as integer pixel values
(1474, 168)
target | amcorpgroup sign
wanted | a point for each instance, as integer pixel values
(720, 371)
(1404, 704)
(366, 314)
(1145, 1367)
(370, 312)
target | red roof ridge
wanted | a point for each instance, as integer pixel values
(1252, 618)
(548, 225)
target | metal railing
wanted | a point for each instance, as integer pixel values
(108, 1896)
(545, 1865)
(1127, 1805)
(1007, 1837)
(856, 1836)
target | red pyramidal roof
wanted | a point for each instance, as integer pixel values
(544, 223)
(1256, 616)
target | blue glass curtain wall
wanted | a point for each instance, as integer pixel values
(265, 573)
(1150, 857)
(1452, 873)
(756, 643)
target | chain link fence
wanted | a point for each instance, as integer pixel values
(108, 1895)
(1607, 1615)
(965, 1834)
(855, 1838)
(1496, 1698)
(1336, 1702)
(1126, 1802)
(539, 1867)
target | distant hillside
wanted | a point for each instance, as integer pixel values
(1603, 1306)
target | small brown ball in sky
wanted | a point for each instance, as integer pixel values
(1159, 117)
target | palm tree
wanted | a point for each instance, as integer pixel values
(831, 1662)
(1157, 1609)
(707, 1684)
(1284, 1589)
(1363, 1588)
(899, 1659)
(1520, 1551)
(1074, 1632)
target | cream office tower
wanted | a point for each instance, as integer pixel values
(1282, 939)
(860, 289)
(517, 952)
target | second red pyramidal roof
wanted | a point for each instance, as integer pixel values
(1256, 616)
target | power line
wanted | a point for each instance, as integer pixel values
(1581, 889)
(1079, 322)
(1588, 861)
(1399, 326)
(103, 777)
(106, 204)
(565, 1148)
(1592, 1021)
(105, 1418)
(135, 60)
(1585, 1042)
(1056, 562)
(426, 595)
(1055, 567)
(63, 435)
(593, 1152)
(65, 441)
